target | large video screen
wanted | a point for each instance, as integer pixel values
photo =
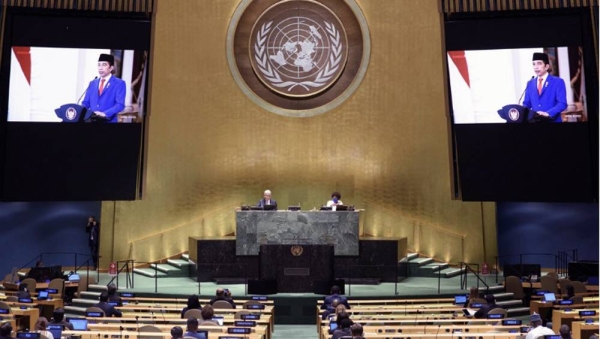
(113, 87)
(74, 88)
(482, 82)
(523, 100)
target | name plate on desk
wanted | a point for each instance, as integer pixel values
(255, 228)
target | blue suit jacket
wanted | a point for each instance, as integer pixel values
(112, 100)
(552, 100)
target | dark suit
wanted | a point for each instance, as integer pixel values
(109, 310)
(344, 332)
(93, 240)
(328, 301)
(483, 311)
(262, 203)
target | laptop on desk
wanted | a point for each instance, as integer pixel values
(43, 295)
(79, 324)
(549, 297)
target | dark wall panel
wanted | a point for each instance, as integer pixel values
(29, 229)
(547, 228)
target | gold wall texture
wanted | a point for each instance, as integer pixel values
(386, 149)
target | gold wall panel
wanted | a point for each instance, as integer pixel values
(386, 149)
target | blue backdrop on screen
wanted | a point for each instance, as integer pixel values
(547, 228)
(29, 229)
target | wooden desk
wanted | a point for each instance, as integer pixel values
(134, 335)
(581, 330)
(562, 317)
(115, 327)
(400, 330)
(538, 285)
(181, 301)
(38, 286)
(422, 301)
(32, 313)
(266, 320)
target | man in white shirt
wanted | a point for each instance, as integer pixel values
(537, 330)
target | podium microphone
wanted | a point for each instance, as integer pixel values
(522, 94)
(81, 97)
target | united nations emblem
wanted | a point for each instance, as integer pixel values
(298, 57)
(513, 114)
(298, 51)
(296, 250)
(71, 113)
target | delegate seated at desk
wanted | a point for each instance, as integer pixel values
(266, 200)
(335, 199)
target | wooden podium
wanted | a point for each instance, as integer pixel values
(297, 268)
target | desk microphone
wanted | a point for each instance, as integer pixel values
(137, 324)
(416, 317)
(425, 327)
(518, 102)
(162, 310)
(438, 331)
(121, 331)
(405, 308)
(81, 97)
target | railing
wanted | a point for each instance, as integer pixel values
(76, 267)
(136, 6)
(461, 6)
(561, 261)
(463, 276)
(129, 281)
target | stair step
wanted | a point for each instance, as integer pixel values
(421, 261)
(164, 268)
(518, 311)
(90, 295)
(451, 272)
(84, 302)
(179, 263)
(434, 266)
(409, 257)
(185, 256)
(149, 272)
(510, 303)
(503, 295)
(97, 288)
(76, 310)
(493, 288)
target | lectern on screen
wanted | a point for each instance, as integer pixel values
(514, 138)
(56, 146)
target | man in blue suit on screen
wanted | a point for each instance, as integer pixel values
(106, 94)
(545, 93)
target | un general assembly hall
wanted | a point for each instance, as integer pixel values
(270, 169)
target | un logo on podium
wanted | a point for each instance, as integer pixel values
(296, 250)
(293, 57)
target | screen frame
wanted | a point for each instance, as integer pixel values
(484, 34)
(73, 29)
